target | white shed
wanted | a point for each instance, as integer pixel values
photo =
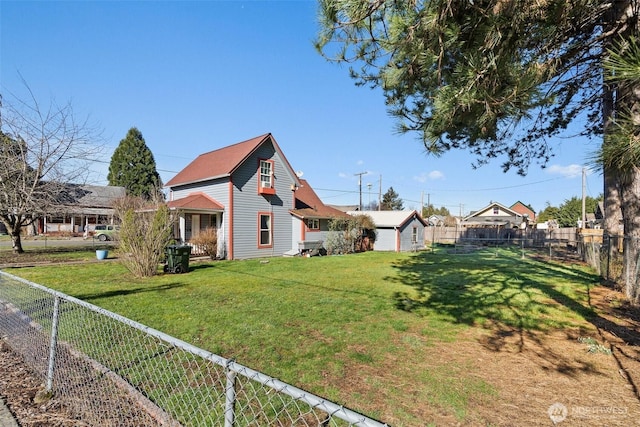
(398, 231)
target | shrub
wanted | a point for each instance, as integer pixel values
(207, 241)
(355, 234)
(143, 236)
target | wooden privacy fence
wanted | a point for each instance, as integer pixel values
(500, 235)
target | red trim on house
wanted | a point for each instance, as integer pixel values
(270, 215)
(230, 221)
(303, 231)
(266, 190)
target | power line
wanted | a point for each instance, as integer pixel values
(502, 188)
(106, 162)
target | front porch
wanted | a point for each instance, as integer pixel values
(195, 214)
(74, 223)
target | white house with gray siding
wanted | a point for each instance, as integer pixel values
(398, 231)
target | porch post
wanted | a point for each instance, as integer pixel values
(220, 230)
(183, 227)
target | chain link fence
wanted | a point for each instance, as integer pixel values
(112, 371)
(554, 243)
(603, 252)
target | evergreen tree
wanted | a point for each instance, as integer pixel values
(499, 77)
(569, 212)
(391, 201)
(134, 168)
(429, 210)
(548, 213)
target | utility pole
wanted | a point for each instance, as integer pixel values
(359, 175)
(422, 202)
(584, 198)
(380, 194)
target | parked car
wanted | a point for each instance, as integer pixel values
(106, 232)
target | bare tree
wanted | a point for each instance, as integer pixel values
(41, 150)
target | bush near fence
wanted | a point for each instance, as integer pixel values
(112, 371)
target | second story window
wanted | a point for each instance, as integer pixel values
(266, 184)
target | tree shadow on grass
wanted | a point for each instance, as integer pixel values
(122, 292)
(515, 300)
(201, 266)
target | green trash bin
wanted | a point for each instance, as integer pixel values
(177, 258)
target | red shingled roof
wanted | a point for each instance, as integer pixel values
(195, 201)
(309, 205)
(217, 163)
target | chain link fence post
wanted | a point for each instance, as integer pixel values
(53, 343)
(230, 397)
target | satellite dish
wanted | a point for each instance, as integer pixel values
(299, 174)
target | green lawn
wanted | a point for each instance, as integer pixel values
(361, 329)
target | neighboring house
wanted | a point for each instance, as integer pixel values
(596, 219)
(80, 208)
(494, 215)
(250, 193)
(599, 217)
(599, 213)
(525, 211)
(436, 221)
(398, 231)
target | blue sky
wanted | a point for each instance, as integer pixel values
(197, 76)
